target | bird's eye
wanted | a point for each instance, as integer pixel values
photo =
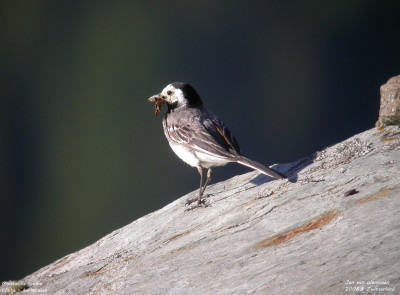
(169, 92)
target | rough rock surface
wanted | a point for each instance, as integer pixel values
(334, 226)
(389, 112)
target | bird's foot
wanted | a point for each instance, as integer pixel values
(201, 202)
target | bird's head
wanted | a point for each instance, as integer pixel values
(177, 95)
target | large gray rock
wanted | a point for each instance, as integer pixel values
(334, 225)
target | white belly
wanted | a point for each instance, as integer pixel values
(207, 160)
(198, 159)
(186, 155)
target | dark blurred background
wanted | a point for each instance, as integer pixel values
(82, 152)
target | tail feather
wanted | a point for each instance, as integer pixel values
(261, 168)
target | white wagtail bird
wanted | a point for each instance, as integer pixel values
(198, 136)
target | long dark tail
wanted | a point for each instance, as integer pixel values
(260, 167)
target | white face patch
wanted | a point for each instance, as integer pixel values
(173, 95)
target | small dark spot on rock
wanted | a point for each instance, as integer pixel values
(351, 192)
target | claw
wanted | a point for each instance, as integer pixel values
(200, 203)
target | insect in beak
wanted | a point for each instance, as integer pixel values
(158, 102)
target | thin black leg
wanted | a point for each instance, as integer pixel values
(201, 190)
(201, 184)
(209, 175)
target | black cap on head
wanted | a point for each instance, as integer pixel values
(190, 93)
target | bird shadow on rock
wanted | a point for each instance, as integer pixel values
(291, 170)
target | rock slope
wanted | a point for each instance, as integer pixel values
(332, 228)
